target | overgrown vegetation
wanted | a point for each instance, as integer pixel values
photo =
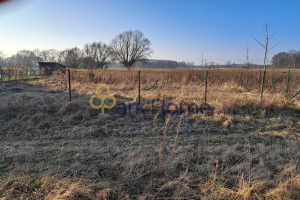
(54, 149)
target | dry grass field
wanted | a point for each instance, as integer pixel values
(243, 148)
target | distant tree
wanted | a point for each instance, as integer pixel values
(190, 64)
(291, 52)
(62, 58)
(228, 63)
(96, 55)
(25, 57)
(1, 58)
(281, 60)
(182, 64)
(296, 60)
(246, 55)
(290, 59)
(71, 57)
(130, 47)
(50, 55)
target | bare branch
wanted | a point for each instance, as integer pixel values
(259, 42)
(273, 46)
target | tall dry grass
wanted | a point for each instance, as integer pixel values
(248, 79)
(210, 156)
(228, 89)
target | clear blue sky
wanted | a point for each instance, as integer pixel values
(178, 29)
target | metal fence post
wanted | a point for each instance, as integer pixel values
(287, 83)
(293, 96)
(69, 76)
(241, 79)
(139, 87)
(259, 81)
(205, 87)
(228, 75)
(262, 85)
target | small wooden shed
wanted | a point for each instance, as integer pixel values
(49, 67)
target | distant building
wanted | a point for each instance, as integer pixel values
(156, 64)
(49, 67)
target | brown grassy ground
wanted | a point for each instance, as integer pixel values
(54, 149)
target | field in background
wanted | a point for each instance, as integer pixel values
(51, 148)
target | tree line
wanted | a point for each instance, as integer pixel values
(290, 59)
(130, 48)
(126, 48)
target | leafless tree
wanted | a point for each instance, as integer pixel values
(265, 45)
(50, 55)
(290, 59)
(88, 57)
(246, 55)
(96, 55)
(25, 57)
(130, 47)
(62, 58)
(1, 58)
(71, 57)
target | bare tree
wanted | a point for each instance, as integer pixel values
(88, 57)
(71, 57)
(25, 57)
(50, 55)
(96, 55)
(265, 45)
(1, 58)
(130, 47)
(62, 58)
(246, 55)
(290, 59)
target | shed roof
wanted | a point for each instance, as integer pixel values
(51, 63)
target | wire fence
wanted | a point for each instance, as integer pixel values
(18, 74)
(201, 145)
(169, 87)
(172, 90)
